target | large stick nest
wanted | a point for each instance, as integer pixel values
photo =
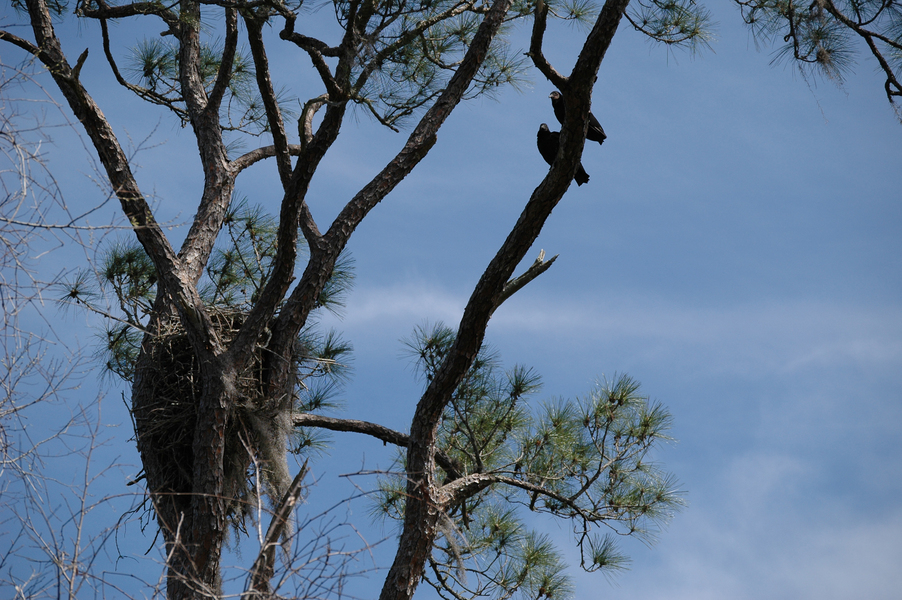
(165, 412)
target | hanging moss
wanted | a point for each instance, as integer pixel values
(166, 418)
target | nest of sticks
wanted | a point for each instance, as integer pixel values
(166, 419)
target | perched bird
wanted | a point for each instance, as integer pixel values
(548, 142)
(595, 133)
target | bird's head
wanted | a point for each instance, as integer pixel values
(555, 95)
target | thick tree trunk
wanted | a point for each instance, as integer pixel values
(182, 444)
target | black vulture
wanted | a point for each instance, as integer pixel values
(548, 142)
(595, 133)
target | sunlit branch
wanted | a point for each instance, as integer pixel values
(294, 214)
(305, 122)
(21, 43)
(105, 11)
(254, 156)
(118, 169)
(268, 94)
(224, 73)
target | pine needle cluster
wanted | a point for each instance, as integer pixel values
(681, 23)
(585, 460)
(823, 36)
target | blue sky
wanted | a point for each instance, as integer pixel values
(736, 250)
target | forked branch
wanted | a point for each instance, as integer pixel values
(515, 285)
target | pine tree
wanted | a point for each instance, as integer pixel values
(214, 336)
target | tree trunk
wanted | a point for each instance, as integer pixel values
(182, 445)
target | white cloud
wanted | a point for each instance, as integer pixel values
(779, 337)
(407, 304)
(780, 509)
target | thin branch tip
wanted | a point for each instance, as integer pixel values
(79, 64)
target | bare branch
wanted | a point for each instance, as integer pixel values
(305, 122)
(224, 74)
(21, 43)
(264, 566)
(515, 285)
(264, 85)
(535, 47)
(316, 50)
(254, 156)
(379, 432)
(99, 9)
